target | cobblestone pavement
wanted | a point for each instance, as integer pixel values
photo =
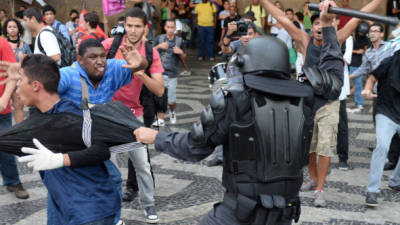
(186, 191)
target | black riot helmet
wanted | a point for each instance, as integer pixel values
(264, 56)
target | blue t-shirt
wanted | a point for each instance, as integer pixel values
(80, 195)
(115, 76)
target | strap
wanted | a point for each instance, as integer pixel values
(97, 37)
(41, 49)
(85, 93)
(58, 25)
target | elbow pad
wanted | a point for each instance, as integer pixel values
(324, 84)
(209, 117)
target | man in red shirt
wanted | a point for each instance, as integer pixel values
(91, 22)
(8, 165)
(344, 19)
(135, 22)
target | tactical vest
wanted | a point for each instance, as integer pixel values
(264, 160)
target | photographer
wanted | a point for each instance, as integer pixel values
(246, 32)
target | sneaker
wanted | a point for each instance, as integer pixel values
(396, 188)
(120, 222)
(212, 59)
(19, 191)
(319, 199)
(389, 166)
(129, 194)
(371, 199)
(185, 73)
(172, 117)
(151, 215)
(200, 58)
(357, 109)
(344, 166)
(159, 123)
(309, 186)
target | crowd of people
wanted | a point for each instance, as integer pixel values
(85, 59)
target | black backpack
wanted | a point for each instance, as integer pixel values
(68, 53)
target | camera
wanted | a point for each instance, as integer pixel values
(242, 28)
(118, 30)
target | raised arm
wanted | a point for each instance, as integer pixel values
(298, 35)
(351, 26)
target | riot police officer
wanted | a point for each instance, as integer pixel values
(265, 128)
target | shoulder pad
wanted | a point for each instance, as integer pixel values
(207, 117)
(197, 132)
(217, 101)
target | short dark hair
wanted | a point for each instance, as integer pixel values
(47, 8)
(121, 19)
(314, 16)
(289, 10)
(92, 18)
(3, 10)
(33, 12)
(73, 11)
(88, 43)
(378, 25)
(38, 67)
(136, 13)
(20, 27)
(170, 20)
(300, 16)
(75, 18)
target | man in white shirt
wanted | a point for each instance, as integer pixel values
(48, 41)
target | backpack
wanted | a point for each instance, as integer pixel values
(68, 53)
(178, 40)
(147, 98)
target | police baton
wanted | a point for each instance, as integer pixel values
(358, 14)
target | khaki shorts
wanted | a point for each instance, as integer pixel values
(325, 129)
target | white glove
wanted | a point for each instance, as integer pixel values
(41, 158)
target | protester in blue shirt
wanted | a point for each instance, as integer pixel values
(84, 195)
(49, 13)
(103, 78)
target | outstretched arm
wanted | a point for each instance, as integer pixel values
(298, 35)
(351, 26)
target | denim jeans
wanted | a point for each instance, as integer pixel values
(8, 164)
(206, 36)
(115, 175)
(358, 98)
(140, 160)
(105, 221)
(385, 130)
(117, 180)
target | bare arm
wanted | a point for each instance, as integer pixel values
(56, 57)
(263, 23)
(298, 35)
(351, 26)
(154, 83)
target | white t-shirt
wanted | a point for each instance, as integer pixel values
(178, 25)
(285, 37)
(48, 42)
(347, 59)
(271, 19)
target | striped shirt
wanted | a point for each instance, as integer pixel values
(115, 76)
